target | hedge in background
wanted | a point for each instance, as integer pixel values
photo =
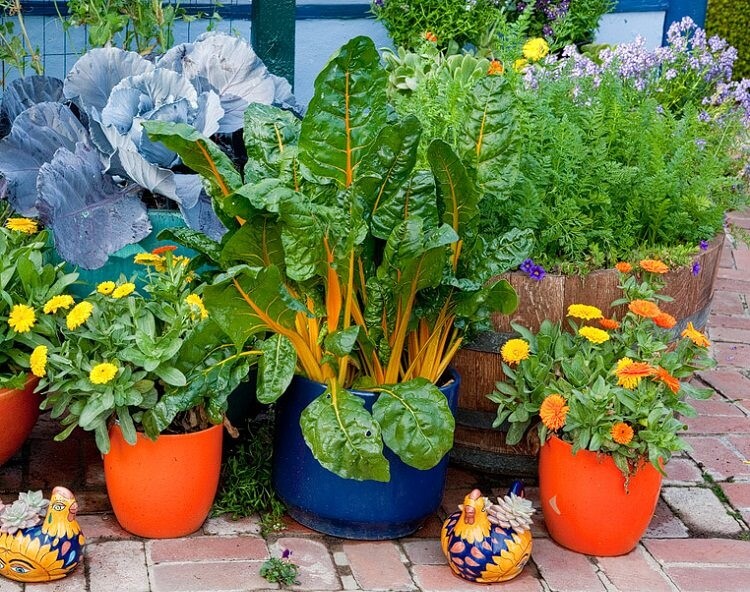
(730, 19)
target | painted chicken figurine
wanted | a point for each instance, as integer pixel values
(480, 551)
(47, 551)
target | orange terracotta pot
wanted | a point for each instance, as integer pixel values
(19, 410)
(585, 504)
(163, 489)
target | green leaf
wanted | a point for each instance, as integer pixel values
(271, 136)
(458, 192)
(256, 244)
(346, 113)
(275, 367)
(198, 153)
(344, 437)
(126, 425)
(496, 297)
(416, 421)
(170, 375)
(192, 239)
(341, 343)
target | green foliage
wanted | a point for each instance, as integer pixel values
(145, 26)
(730, 19)
(366, 267)
(281, 571)
(576, 26)
(17, 52)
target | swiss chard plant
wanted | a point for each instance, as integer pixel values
(75, 154)
(358, 269)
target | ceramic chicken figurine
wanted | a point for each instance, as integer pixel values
(46, 551)
(480, 551)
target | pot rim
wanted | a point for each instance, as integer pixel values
(140, 435)
(454, 381)
(9, 392)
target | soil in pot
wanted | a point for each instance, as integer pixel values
(163, 488)
(19, 410)
(586, 504)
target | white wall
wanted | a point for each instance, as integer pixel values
(623, 27)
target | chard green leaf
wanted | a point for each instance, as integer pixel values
(170, 375)
(275, 367)
(271, 136)
(256, 244)
(416, 421)
(346, 113)
(341, 343)
(344, 437)
(192, 239)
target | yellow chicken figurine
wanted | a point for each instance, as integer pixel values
(32, 552)
(478, 550)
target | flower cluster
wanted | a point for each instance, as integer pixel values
(615, 388)
(534, 271)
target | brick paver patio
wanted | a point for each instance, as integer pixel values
(697, 541)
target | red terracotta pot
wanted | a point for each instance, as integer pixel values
(19, 410)
(163, 489)
(585, 503)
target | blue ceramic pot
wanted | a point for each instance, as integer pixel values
(366, 510)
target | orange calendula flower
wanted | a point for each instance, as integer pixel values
(662, 375)
(496, 68)
(665, 320)
(553, 412)
(695, 336)
(164, 249)
(653, 266)
(609, 324)
(630, 373)
(622, 433)
(624, 267)
(644, 308)
(430, 36)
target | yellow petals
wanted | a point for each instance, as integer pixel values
(155, 261)
(25, 225)
(123, 290)
(21, 318)
(38, 361)
(514, 350)
(106, 288)
(55, 303)
(103, 373)
(584, 311)
(593, 334)
(629, 373)
(196, 305)
(535, 49)
(695, 336)
(520, 64)
(79, 315)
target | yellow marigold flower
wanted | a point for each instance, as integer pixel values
(630, 373)
(38, 361)
(156, 261)
(653, 266)
(103, 373)
(496, 68)
(181, 260)
(553, 412)
(123, 290)
(25, 225)
(624, 267)
(593, 334)
(622, 433)
(535, 49)
(21, 318)
(196, 303)
(79, 315)
(584, 311)
(695, 336)
(55, 303)
(106, 288)
(520, 64)
(514, 350)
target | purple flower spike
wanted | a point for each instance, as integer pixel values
(537, 273)
(285, 554)
(696, 268)
(704, 245)
(527, 265)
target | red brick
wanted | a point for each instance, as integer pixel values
(634, 572)
(378, 566)
(735, 322)
(729, 334)
(683, 470)
(710, 579)
(717, 458)
(424, 551)
(704, 551)
(724, 284)
(102, 526)
(316, 566)
(728, 303)
(564, 570)
(665, 525)
(729, 383)
(717, 405)
(55, 463)
(741, 258)
(738, 494)
(291, 526)
(738, 275)
(117, 565)
(732, 355)
(742, 444)
(208, 576)
(439, 578)
(712, 424)
(225, 525)
(205, 548)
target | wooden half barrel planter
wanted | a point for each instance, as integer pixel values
(477, 444)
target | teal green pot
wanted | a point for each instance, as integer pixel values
(121, 262)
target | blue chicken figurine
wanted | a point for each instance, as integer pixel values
(478, 550)
(48, 551)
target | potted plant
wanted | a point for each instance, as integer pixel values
(149, 376)
(32, 289)
(608, 397)
(75, 154)
(366, 272)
